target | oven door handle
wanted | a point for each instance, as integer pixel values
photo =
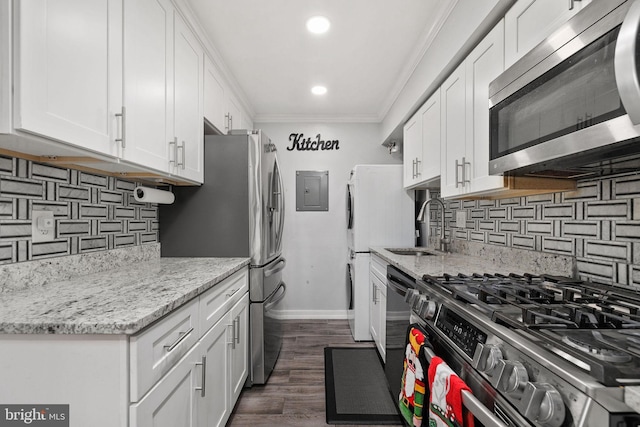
(397, 287)
(469, 401)
(625, 65)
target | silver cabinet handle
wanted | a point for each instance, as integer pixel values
(625, 64)
(464, 171)
(174, 145)
(182, 159)
(181, 337)
(237, 333)
(457, 167)
(418, 173)
(123, 123)
(230, 294)
(233, 334)
(571, 4)
(203, 388)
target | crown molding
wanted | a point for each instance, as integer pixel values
(427, 38)
(302, 118)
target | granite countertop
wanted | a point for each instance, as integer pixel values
(122, 301)
(478, 259)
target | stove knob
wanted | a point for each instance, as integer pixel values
(411, 296)
(428, 310)
(543, 404)
(513, 379)
(420, 303)
(487, 357)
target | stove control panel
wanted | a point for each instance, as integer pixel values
(463, 334)
(539, 402)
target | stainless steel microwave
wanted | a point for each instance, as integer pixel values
(571, 106)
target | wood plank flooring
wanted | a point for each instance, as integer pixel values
(294, 394)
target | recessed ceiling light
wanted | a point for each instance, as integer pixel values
(318, 90)
(318, 24)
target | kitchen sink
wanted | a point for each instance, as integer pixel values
(410, 251)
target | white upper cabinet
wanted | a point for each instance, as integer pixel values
(421, 140)
(465, 120)
(412, 150)
(188, 103)
(528, 22)
(148, 82)
(214, 96)
(235, 117)
(68, 79)
(453, 133)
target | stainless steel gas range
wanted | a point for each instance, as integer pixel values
(536, 350)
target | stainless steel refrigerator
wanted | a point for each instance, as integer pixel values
(237, 212)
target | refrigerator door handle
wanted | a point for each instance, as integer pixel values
(273, 299)
(276, 268)
(281, 207)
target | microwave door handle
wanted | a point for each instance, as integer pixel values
(625, 63)
(473, 405)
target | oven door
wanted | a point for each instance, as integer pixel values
(576, 101)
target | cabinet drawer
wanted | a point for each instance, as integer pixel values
(218, 300)
(378, 267)
(156, 349)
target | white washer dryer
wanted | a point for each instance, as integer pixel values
(380, 213)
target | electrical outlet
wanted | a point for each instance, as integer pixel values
(461, 219)
(43, 226)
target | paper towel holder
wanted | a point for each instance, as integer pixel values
(153, 195)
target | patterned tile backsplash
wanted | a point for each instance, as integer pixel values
(91, 212)
(599, 224)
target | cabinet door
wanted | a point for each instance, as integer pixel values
(483, 65)
(453, 135)
(188, 93)
(69, 63)
(412, 150)
(172, 402)
(215, 407)
(430, 122)
(240, 347)
(148, 82)
(214, 96)
(374, 309)
(528, 22)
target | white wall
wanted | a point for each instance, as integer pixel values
(315, 243)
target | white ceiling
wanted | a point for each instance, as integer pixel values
(364, 60)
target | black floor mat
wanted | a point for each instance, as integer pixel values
(356, 388)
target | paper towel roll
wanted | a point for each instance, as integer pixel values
(153, 195)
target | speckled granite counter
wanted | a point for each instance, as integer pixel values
(121, 301)
(480, 259)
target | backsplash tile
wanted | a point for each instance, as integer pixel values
(598, 224)
(92, 213)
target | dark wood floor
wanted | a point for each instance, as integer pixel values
(294, 394)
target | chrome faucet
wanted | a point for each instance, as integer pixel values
(444, 243)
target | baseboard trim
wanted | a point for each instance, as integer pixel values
(309, 314)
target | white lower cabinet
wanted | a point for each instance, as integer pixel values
(187, 369)
(225, 349)
(378, 303)
(174, 400)
(203, 387)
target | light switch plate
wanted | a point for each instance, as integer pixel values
(461, 219)
(43, 227)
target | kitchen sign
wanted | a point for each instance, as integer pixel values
(300, 143)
